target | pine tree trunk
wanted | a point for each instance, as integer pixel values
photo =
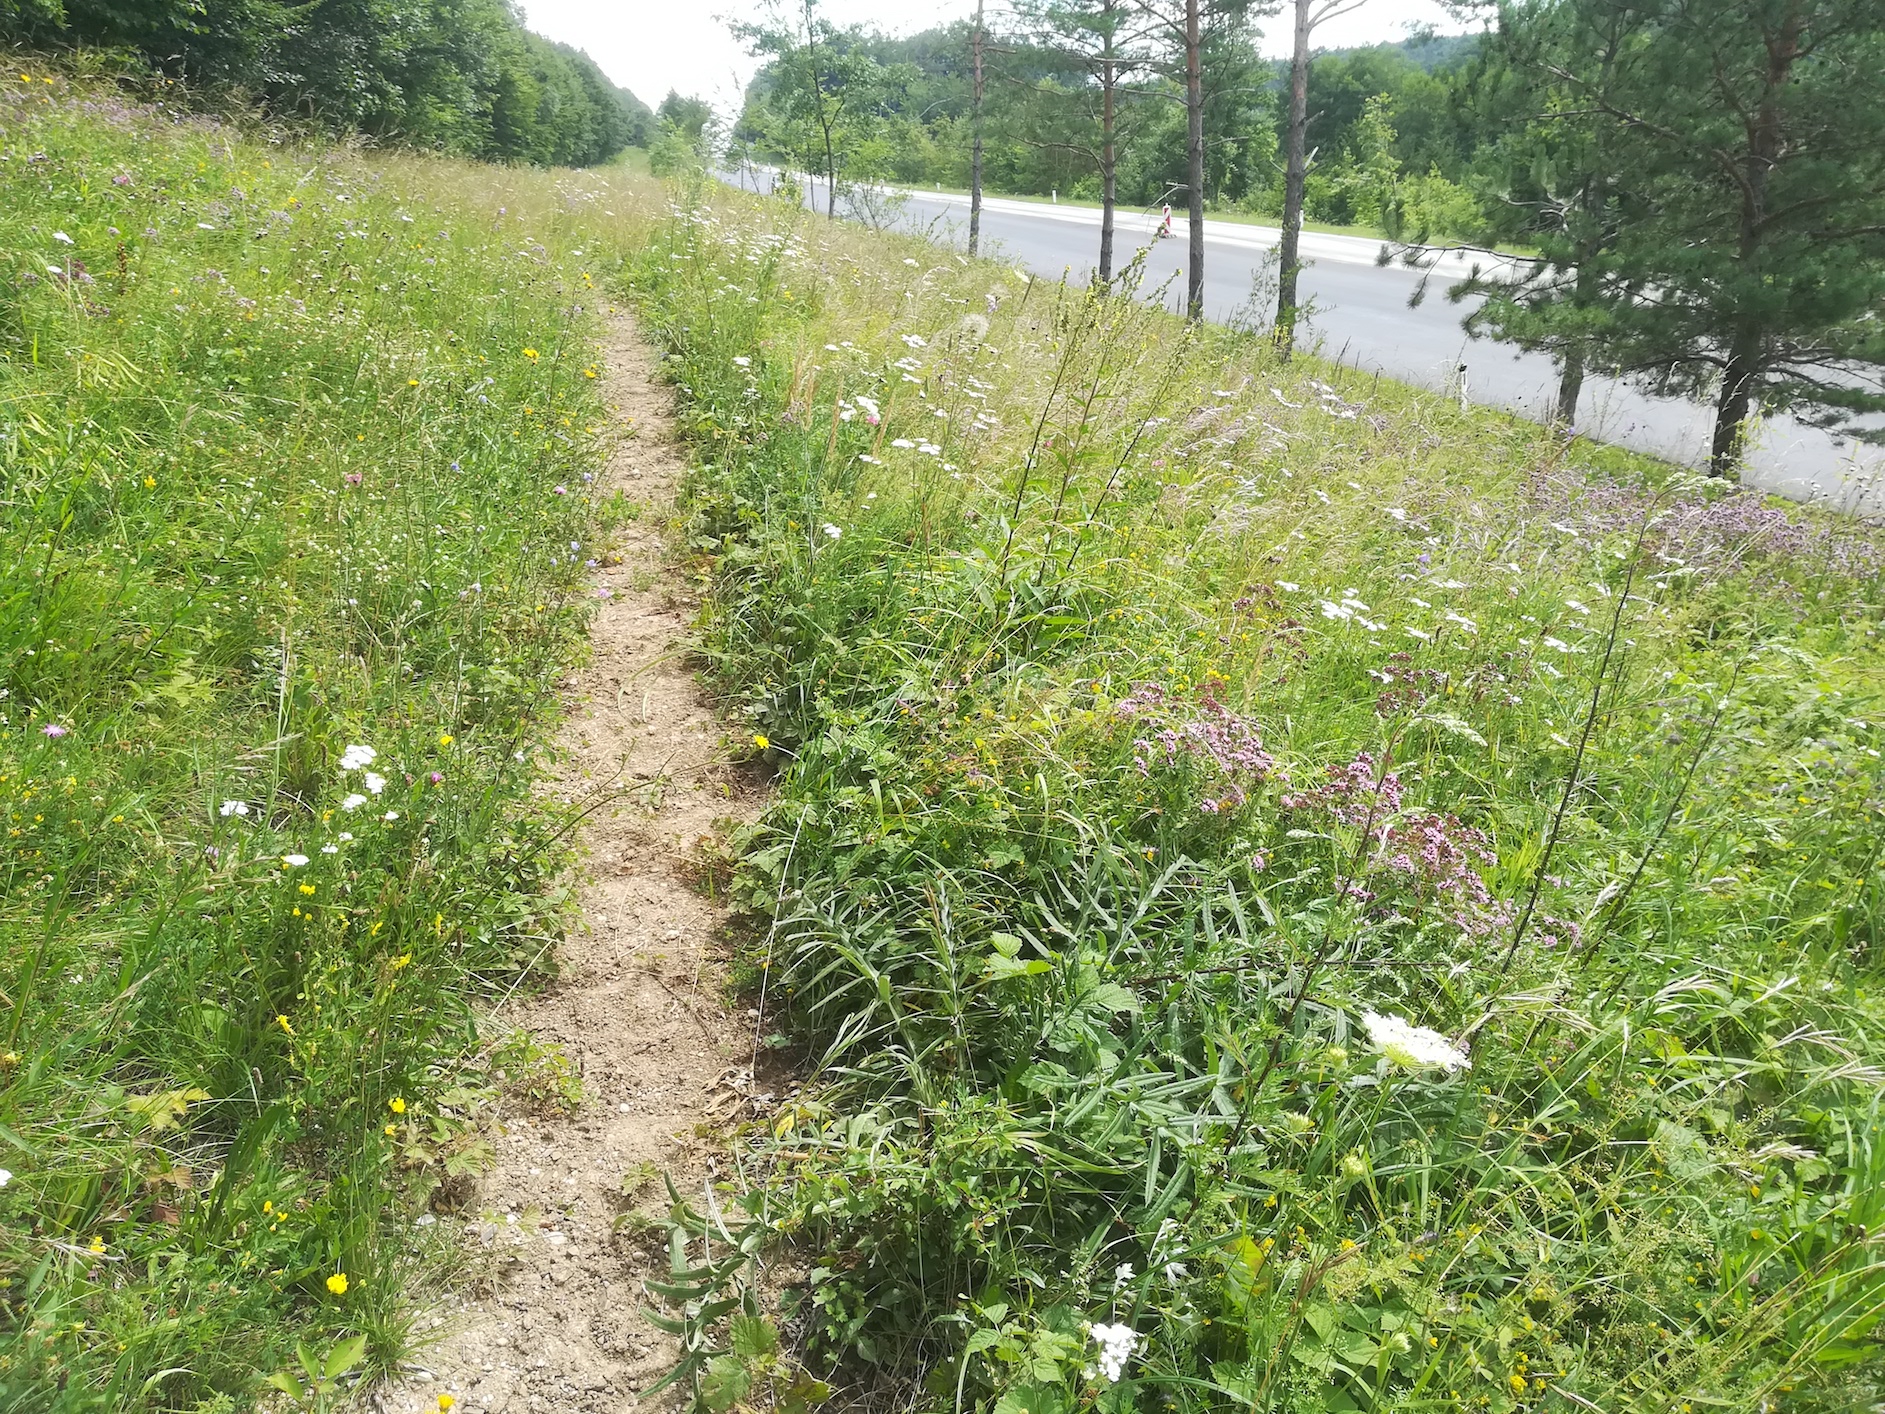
(1733, 406)
(1194, 151)
(975, 145)
(1741, 379)
(1295, 171)
(1570, 386)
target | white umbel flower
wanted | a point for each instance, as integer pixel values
(1116, 1343)
(233, 807)
(357, 758)
(1413, 1047)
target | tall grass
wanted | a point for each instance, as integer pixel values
(1146, 715)
(296, 452)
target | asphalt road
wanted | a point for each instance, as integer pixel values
(1361, 316)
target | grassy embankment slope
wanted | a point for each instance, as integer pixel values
(295, 447)
(1148, 715)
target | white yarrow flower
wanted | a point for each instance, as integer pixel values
(294, 861)
(374, 783)
(357, 757)
(6, 1177)
(233, 807)
(832, 530)
(1413, 1047)
(353, 802)
(1116, 1343)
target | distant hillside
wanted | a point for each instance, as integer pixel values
(1433, 53)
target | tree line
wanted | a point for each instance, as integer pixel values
(457, 76)
(1696, 187)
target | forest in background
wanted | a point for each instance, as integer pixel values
(1700, 184)
(456, 76)
(1387, 122)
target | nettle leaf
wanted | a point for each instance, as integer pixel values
(1113, 997)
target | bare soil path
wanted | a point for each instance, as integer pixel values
(553, 1320)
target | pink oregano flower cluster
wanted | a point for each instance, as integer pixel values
(1225, 745)
(1432, 856)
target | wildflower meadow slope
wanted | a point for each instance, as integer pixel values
(1282, 895)
(296, 449)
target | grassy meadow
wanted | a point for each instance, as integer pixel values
(294, 457)
(1162, 734)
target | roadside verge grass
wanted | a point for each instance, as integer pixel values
(295, 450)
(1283, 895)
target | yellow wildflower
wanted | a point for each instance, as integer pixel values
(337, 1283)
(759, 740)
(282, 1022)
(396, 1105)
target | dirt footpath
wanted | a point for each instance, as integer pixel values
(554, 1320)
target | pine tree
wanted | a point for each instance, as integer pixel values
(1099, 38)
(1727, 230)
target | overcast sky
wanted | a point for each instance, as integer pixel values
(650, 46)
